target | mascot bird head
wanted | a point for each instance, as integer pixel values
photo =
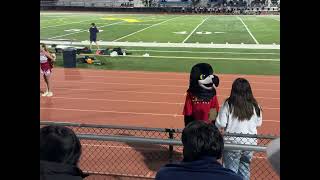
(203, 82)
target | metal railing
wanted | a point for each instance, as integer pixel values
(138, 152)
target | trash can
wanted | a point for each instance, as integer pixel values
(69, 58)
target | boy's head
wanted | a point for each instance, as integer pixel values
(201, 139)
(59, 144)
(93, 24)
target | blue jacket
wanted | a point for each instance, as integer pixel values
(93, 32)
(207, 168)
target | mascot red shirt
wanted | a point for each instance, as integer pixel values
(201, 99)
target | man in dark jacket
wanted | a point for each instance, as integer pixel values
(60, 151)
(202, 147)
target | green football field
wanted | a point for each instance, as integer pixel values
(254, 31)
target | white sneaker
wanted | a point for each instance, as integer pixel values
(49, 94)
(45, 93)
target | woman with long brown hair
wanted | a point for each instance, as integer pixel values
(46, 65)
(240, 114)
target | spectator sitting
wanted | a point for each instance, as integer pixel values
(60, 151)
(202, 147)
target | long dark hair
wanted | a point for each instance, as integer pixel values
(241, 101)
(59, 144)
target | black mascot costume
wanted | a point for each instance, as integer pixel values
(201, 100)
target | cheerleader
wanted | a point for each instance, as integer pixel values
(46, 65)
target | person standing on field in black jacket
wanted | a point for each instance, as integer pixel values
(60, 151)
(93, 35)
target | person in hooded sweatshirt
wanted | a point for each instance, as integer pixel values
(60, 151)
(202, 147)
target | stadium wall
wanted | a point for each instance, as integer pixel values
(80, 6)
(149, 10)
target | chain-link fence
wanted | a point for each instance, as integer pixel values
(133, 152)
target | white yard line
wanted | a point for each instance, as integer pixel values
(202, 58)
(168, 45)
(196, 52)
(85, 30)
(248, 30)
(194, 30)
(144, 29)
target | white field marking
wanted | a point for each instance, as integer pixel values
(160, 79)
(129, 101)
(73, 30)
(201, 52)
(202, 58)
(85, 30)
(169, 45)
(126, 112)
(145, 92)
(100, 30)
(205, 32)
(248, 30)
(149, 85)
(67, 24)
(194, 30)
(145, 28)
(276, 19)
(181, 32)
